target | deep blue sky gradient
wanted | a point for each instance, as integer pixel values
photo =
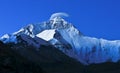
(95, 18)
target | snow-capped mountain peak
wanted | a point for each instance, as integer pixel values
(65, 37)
(28, 30)
(58, 22)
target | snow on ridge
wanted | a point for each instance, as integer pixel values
(22, 29)
(8, 38)
(46, 34)
(5, 36)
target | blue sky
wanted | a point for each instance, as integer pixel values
(95, 18)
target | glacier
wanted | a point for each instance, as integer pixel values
(69, 40)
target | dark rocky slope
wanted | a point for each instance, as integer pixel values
(47, 60)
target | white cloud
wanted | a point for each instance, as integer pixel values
(60, 14)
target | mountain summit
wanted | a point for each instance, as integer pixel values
(68, 39)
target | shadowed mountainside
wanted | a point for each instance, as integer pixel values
(47, 60)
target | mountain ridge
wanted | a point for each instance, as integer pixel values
(69, 40)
